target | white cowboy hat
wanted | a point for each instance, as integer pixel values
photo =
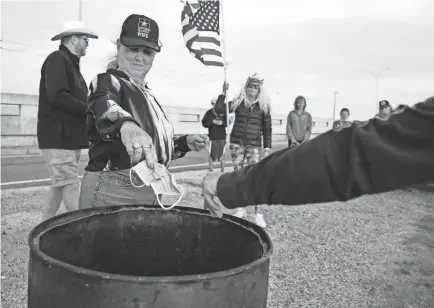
(74, 27)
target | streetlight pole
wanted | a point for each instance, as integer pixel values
(334, 105)
(377, 77)
(80, 10)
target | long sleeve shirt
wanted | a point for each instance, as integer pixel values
(299, 126)
(215, 131)
(376, 157)
(251, 123)
(62, 103)
(114, 99)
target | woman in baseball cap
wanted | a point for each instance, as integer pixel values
(384, 110)
(126, 125)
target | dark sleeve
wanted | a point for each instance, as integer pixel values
(104, 104)
(266, 129)
(181, 147)
(335, 124)
(57, 86)
(379, 156)
(208, 118)
(220, 106)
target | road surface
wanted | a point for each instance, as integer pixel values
(29, 169)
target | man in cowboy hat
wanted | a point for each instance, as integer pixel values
(61, 128)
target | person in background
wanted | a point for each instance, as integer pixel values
(252, 124)
(343, 121)
(126, 124)
(61, 126)
(299, 123)
(380, 156)
(384, 110)
(216, 124)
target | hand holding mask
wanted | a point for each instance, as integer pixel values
(160, 179)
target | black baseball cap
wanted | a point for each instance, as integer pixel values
(383, 104)
(140, 31)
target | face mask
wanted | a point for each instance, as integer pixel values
(160, 179)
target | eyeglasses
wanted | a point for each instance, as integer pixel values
(85, 38)
(253, 86)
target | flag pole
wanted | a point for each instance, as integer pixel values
(222, 30)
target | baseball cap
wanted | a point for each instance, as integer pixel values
(140, 31)
(383, 104)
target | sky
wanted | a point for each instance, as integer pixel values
(302, 47)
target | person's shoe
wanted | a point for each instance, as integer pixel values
(259, 220)
(240, 213)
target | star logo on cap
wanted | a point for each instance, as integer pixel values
(144, 23)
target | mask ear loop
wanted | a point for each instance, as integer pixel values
(176, 202)
(131, 177)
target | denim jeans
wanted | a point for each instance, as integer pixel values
(108, 188)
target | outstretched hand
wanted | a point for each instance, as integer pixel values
(209, 192)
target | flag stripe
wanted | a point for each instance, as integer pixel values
(208, 51)
(212, 58)
(207, 39)
(197, 45)
(212, 63)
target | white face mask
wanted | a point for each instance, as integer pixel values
(160, 179)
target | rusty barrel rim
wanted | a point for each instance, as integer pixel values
(65, 218)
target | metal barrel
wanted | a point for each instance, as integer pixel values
(142, 256)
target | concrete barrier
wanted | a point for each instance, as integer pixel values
(19, 117)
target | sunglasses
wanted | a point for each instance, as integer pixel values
(253, 86)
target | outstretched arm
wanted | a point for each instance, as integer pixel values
(379, 156)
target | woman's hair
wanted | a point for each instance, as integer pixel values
(345, 109)
(262, 99)
(114, 60)
(297, 99)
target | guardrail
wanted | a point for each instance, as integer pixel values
(19, 119)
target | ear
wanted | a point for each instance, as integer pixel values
(74, 39)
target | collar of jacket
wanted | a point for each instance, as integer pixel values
(122, 74)
(75, 59)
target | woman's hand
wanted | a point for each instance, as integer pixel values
(225, 87)
(197, 142)
(294, 144)
(138, 144)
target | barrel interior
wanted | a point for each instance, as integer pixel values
(152, 243)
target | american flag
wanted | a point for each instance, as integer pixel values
(201, 30)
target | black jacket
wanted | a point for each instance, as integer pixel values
(251, 124)
(115, 99)
(62, 103)
(215, 132)
(376, 157)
